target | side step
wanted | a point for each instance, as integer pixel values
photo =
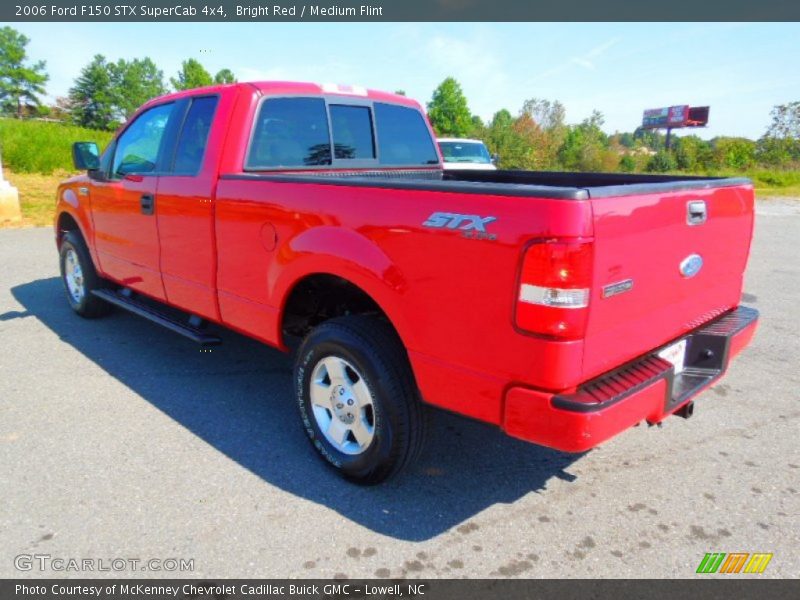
(150, 313)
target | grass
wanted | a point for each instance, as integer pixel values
(37, 155)
(43, 147)
(37, 197)
(776, 183)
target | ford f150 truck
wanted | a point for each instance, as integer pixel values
(562, 307)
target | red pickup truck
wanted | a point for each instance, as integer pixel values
(562, 307)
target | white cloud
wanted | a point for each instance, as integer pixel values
(587, 60)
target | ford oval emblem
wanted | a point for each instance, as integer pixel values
(691, 265)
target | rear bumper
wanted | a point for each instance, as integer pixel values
(646, 389)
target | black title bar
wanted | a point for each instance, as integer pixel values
(316, 589)
(279, 11)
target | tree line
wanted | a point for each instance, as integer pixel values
(537, 137)
(105, 92)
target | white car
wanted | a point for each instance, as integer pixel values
(466, 154)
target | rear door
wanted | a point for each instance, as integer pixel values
(663, 264)
(185, 208)
(123, 203)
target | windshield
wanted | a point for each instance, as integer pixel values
(471, 152)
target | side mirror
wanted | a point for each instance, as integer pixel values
(495, 158)
(86, 156)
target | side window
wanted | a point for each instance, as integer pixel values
(138, 147)
(352, 131)
(194, 136)
(290, 132)
(403, 137)
(106, 159)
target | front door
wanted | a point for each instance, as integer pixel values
(124, 204)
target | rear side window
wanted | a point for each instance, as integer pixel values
(290, 132)
(194, 136)
(403, 136)
(352, 132)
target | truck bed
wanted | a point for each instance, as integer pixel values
(543, 184)
(596, 185)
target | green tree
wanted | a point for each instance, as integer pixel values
(661, 162)
(134, 83)
(478, 129)
(626, 139)
(585, 146)
(549, 115)
(780, 144)
(448, 110)
(224, 76)
(686, 150)
(192, 75)
(21, 83)
(92, 99)
(648, 138)
(735, 153)
(503, 140)
(627, 163)
(541, 123)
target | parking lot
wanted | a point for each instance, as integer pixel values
(119, 439)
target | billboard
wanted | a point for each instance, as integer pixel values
(681, 115)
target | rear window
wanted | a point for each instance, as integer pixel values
(293, 133)
(290, 132)
(352, 132)
(403, 136)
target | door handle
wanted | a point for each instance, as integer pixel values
(148, 204)
(696, 212)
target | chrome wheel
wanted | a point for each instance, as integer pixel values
(342, 405)
(73, 276)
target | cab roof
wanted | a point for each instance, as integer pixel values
(268, 88)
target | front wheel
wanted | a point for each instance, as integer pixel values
(80, 278)
(358, 399)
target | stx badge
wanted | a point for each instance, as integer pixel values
(472, 226)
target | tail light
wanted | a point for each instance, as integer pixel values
(554, 288)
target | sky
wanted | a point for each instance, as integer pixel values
(741, 70)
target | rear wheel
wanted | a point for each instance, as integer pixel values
(80, 278)
(358, 399)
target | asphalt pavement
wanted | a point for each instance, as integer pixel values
(121, 440)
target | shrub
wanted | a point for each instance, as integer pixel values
(43, 147)
(627, 164)
(777, 178)
(661, 162)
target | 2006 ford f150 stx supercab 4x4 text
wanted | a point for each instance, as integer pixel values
(562, 307)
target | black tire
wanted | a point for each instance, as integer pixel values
(88, 305)
(373, 348)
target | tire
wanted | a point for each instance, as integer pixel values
(384, 423)
(80, 278)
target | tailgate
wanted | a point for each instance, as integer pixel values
(662, 269)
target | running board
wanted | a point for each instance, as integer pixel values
(151, 314)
